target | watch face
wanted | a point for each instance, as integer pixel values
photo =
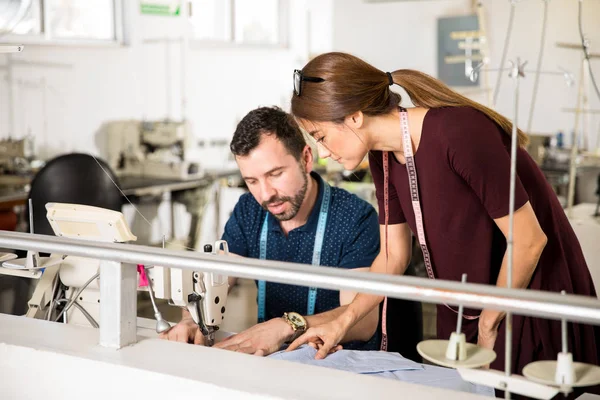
(297, 320)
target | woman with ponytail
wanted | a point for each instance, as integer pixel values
(462, 159)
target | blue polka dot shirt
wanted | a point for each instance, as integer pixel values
(351, 241)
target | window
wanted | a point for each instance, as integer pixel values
(21, 17)
(90, 20)
(82, 19)
(256, 22)
(211, 20)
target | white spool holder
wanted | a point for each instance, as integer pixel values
(563, 373)
(456, 352)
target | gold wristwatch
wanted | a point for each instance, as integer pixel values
(297, 322)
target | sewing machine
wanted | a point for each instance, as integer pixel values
(74, 281)
(160, 149)
(15, 160)
(203, 295)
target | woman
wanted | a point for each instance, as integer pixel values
(462, 160)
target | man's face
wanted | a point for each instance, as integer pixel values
(276, 179)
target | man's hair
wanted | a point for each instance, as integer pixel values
(267, 121)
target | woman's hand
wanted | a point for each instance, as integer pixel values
(326, 338)
(489, 321)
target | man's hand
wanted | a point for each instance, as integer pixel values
(261, 339)
(186, 331)
(326, 338)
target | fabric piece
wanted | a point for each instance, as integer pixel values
(361, 362)
(386, 365)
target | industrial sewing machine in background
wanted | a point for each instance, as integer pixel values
(69, 287)
(17, 161)
(156, 149)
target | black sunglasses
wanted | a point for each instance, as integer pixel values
(299, 77)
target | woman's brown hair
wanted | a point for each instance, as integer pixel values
(351, 84)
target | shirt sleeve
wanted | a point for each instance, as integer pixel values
(234, 234)
(396, 215)
(479, 152)
(362, 244)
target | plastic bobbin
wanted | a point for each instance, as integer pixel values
(564, 372)
(456, 352)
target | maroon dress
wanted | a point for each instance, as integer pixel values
(463, 169)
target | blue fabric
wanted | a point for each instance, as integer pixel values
(362, 362)
(386, 365)
(351, 241)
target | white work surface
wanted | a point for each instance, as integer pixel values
(40, 359)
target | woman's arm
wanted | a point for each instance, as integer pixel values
(329, 335)
(399, 253)
(528, 243)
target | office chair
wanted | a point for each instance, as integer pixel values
(72, 178)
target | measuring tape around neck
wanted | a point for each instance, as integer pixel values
(411, 170)
(316, 259)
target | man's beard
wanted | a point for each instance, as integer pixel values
(295, 202)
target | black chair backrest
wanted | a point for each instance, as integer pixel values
(72, 178)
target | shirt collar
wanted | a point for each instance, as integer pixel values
(313, 218)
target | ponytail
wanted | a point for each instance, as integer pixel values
(350, 84)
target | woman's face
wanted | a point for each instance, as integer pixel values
(337, 141)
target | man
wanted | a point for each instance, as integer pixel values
(292, 215)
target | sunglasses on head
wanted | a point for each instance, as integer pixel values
(299, 78)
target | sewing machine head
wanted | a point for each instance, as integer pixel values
(208, 299)
(160, 149)
(204, 295)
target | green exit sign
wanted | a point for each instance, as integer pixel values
(164, 8)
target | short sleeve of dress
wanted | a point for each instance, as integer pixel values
(480, 154)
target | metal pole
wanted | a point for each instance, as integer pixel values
(539, 68)
(10, 96)
(574, 146)
(511, 215)
(511, 18)
(168, 77)
(460, 309)
(524, 302)
(565, 347)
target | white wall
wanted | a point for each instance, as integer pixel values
(403, 34)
